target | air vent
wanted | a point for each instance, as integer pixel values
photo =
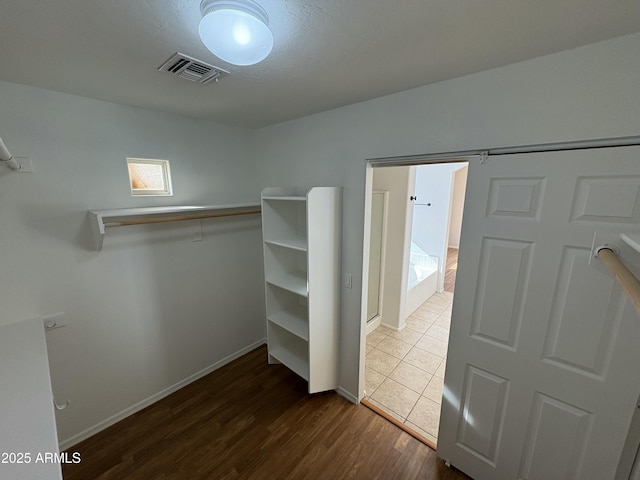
(192, 69)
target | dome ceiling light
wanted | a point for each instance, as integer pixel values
(235, 31)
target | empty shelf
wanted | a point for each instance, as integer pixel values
(295, 282)
(294, 320)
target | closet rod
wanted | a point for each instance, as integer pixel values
(178, 218)
(621, 274)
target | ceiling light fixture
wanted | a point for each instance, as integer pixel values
(235, 31)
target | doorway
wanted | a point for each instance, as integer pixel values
(413, 261)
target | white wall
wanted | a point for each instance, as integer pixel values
(432, 211)
(153, 307)
(589, 92)
(457, 206)
(398, 181)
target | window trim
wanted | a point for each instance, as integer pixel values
(167, 191)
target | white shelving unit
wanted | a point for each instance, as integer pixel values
(301, 239)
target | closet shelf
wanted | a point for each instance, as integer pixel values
(632, 239)
(294, 320)
(292, 358)
(286, 198)
(294, 282)
(101, 219)
(294, 243)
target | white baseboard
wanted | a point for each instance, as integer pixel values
(394, 327)
(71, 441)
(348, 395)
(373, 324)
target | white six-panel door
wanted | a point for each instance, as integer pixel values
(543, 369)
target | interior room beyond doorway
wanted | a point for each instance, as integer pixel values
(416, 261)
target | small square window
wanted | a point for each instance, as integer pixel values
(149, 177)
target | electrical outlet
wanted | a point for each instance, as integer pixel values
(347, 280)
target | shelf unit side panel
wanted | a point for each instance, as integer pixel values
(324, 213)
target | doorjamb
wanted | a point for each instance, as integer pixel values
(375, 321)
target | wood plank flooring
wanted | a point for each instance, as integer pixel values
(450, 269)
(251, 420)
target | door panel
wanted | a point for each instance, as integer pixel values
(482, 410)
(541, 378)
(584, 303)
(556, 440)
(504, 271)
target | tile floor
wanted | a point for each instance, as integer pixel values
(404, 371)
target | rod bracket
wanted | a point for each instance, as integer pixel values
(61, 406)
(606, 246)
(12, 163)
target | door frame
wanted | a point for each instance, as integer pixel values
(375, 321)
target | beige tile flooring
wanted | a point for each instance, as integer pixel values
(404, 371)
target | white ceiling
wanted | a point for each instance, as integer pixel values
(327, 53)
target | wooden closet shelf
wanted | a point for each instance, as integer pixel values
(101, 219)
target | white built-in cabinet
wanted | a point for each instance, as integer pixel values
(28, 436)
(301, 232)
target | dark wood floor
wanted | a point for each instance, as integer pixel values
(250, 420)
(451, 269)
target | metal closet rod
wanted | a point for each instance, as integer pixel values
(463, 155)
(621, 274)
(178, 218)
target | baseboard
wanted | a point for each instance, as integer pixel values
(69, 442)
(394, 327)
(373, 324)
(348, 395)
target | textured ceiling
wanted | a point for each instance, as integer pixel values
(327, 53)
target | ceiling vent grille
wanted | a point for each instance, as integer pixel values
(191, 69)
